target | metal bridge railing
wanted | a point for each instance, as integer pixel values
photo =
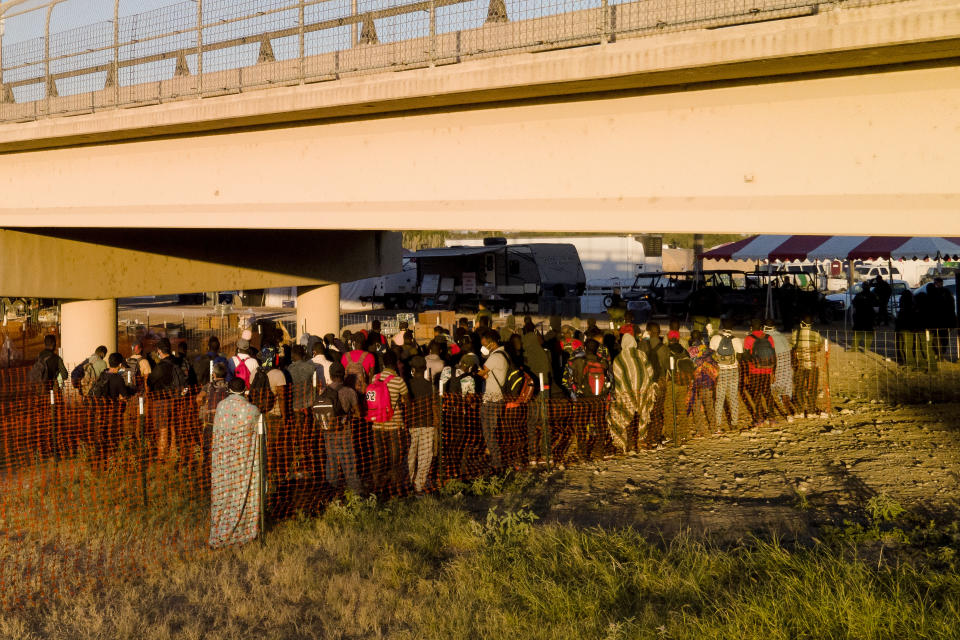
(215, 47)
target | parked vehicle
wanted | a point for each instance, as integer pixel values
(841, 302)
(717, 292)
(543, 278)
(944, 271)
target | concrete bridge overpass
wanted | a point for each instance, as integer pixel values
(836, 119)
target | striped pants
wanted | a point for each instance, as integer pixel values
(727, 381)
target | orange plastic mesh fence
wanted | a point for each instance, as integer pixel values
(95, 490)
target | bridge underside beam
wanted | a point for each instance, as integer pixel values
(113, 263)
(847, 154)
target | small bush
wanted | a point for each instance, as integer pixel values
(513, 527)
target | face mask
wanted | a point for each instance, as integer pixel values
(484, 351)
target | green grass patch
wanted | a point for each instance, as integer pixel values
(427, 568)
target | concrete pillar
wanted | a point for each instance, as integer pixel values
(318, 310)
(84, 326)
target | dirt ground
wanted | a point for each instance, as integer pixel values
(787, 481)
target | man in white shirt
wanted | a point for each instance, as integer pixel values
(397, 338)
(782, 387)
(494, 371)
(727, 350)
(321, 362)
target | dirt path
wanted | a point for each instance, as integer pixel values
(787, 480)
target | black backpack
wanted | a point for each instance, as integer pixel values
(726, 352)
(260, 392)
(179, 377)
(40, 372)
(519, 385)
(761, 353)
(178, 381)
(328, 413)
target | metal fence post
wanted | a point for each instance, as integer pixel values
(116, 52)
(353, 23)
(262, 483)
(439, 436)
(51, 86)
(200, 47)
(605, 16)
(826, 377)
(3, 87)
(141, 436)
(53, 426)
(673, 395)
(433, 32)
(301, 19)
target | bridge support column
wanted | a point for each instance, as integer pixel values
(84, 326)
(318, 310)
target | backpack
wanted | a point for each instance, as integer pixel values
(355, 368)
(179, 377)
(593, 379)
(261, 394)
(570, 380)
(518, 386)
(458, 381)
(134, 379)
(242, 371)
(726, 353)
(99, 388)
(379, 406)
(762, 352)
(40, 372)
(217, 391)
(83, 377)
(328, 412)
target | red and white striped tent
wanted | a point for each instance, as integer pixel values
(789, 248)
(775, 248)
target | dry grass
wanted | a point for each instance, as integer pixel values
(427, 569)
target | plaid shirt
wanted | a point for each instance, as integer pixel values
(805, 343)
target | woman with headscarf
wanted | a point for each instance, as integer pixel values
(235, 470)
(634, 392)
(538, 362)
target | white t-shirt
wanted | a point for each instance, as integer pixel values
(498, 367)
(737, 347)
(321, 361)
(251, 364)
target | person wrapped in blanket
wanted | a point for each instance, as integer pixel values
(235, 470)
(700, 393)
(632, 397)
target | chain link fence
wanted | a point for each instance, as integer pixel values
(100, 490)
(55, 59)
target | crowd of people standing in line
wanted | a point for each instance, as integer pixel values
(372, 412)
(362, 408)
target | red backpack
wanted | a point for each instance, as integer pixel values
(594, 378)
(242, 371)
(379, 406)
